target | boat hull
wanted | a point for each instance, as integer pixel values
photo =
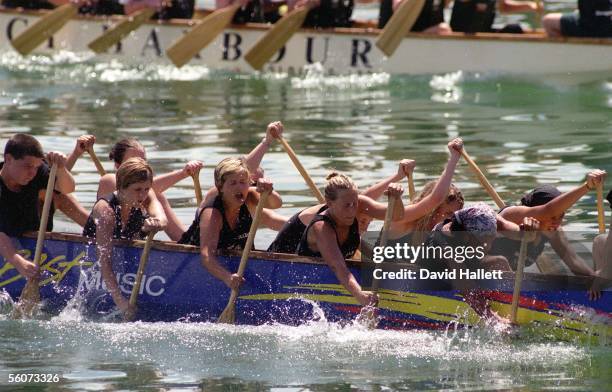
(340, 51)
(291, 290)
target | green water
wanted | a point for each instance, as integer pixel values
(520, 132)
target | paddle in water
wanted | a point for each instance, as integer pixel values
(30, 295)
(144, 258)
(229, 313)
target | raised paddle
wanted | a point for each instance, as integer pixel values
(229, 313)
(197, 187)
(144, 258)
(483, 180)
(202, 34)
(276, 37)
(399, 25)
(120, 30)
(30, 295)
(600, 209)
(44, 28)
(298, 165)
(96, 161)
(411, 191)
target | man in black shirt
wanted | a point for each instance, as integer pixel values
(23, 174)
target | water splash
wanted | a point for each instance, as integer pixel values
(315, 77)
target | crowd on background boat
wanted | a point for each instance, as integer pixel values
(131, 203)
(593, 18)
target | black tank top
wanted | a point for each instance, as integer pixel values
(229, 239)
(289, 236)
(473, 16)
(331, 13)
(510, 248)
(431, 14)
(348, 248)
(133, 228)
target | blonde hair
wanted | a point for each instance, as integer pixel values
(337, 182)
(132, 171)
(227, 167)
(421, 225)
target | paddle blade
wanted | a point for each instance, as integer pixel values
(275, 38)
(201, 35)
(29, 299)
(229, 314)
(120, 30)
(399, 25)
(43, 28)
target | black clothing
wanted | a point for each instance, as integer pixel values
(594, 19)
(103, 7)
(20, 211)
(180, 9)
(331, 13)
(28, 4)
(510, 249)
(132, 229)
(289, 236)
(228, 238)
(348, 248)
(432, 14)
(473, 16)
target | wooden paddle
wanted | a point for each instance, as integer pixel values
(44, 28)
(411, 191)
(483, 180)
(278, 35)
(120, 30)
(96, 162)
(202, 34)
(518, 276)
(144, 258)
(196, 187)
(229, 313)
(298, 165)
(30, 295)
(600, 209)
(399, 25)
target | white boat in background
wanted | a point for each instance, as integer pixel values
(340, 50)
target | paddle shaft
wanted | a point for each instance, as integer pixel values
(144, 258)
(384, 234)
(43, 28)
(483, 180)
(120, 30)
(518, 279)
(30, 295)
(249, 244)
(197, 187)
(300, 168)
(600, 210)
(96, 162)
(411, 191)
(399, 25)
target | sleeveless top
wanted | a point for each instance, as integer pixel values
(431, 14)
(289, 236)
(331, 13)
(472, 16)
(229, 239)
(348, 248)
(132, 229)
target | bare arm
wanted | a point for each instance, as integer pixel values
(155, 209)
(253, 159)
(378, 210)
(9, 253)
(165, 181)
(105, 219)
(562, 247)
(512, 6)
(210, 225)
(64, 182)
(325, 238)
(108, 184)
(272, 219)
(83, 143)
(406, 166)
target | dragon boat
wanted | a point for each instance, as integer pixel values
(283, 288)
(339, 50)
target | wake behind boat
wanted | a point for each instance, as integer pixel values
(279, 288)
(340, 50)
